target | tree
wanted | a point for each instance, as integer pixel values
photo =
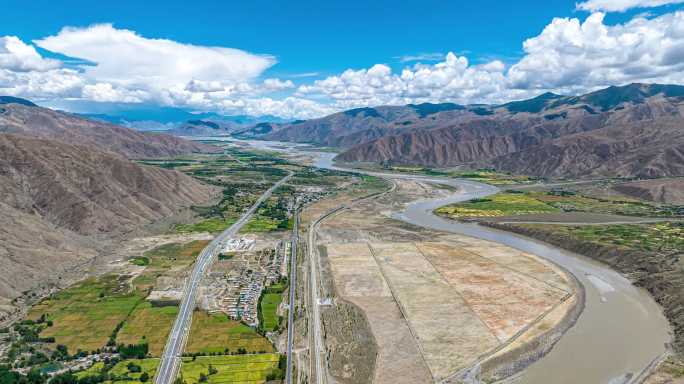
(144, 377)
(212, 370)
(203, 378)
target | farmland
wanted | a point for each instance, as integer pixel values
(148, 324)
(232, 369)
(219, 334)
(85, 315)
(224, 369)
(660, 237)
(514, 203)
(268, 308)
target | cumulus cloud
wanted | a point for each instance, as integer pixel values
(123, 57)
(17, 56)
(569, 53)
(568, 56)
(622, 5)
(453, 79)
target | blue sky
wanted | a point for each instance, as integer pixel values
(308, 41)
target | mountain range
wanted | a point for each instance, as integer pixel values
(68, 187)
(635, 130)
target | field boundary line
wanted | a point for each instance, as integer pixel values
(402, 310)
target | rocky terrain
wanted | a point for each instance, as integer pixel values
(669, 191)
(628, 131)
(67, 188)
(56, 197)
(24, 118)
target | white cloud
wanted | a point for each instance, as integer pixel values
(277, 84)
(569, 53)
(105, 92)
(454, 79)
(622, 5)
(433, 56)
(289, 107)
(125, 58)
(569, 56)
(17, 56)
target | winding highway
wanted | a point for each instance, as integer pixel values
(171, 358)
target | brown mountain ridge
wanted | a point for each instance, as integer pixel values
(68, 193)
(635, 130)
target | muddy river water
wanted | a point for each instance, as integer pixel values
(618, 335)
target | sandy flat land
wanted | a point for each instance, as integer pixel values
(436, 302)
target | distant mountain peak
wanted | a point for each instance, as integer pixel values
(426, 109)
(16, 100)
(533, 105)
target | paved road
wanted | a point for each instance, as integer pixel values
(291, 302)
(171, 358)
(318, 350)
(315, 310)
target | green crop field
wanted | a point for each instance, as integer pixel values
(149, 324)
(85, 315)
(269, 306)
(232, 369)
(512, 203)
(212, 225)
(217, 333)
(659, 237)
(120, 374)
(501, 204)
(228, 369)
(260, 224)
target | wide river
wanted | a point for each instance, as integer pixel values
(620, 332)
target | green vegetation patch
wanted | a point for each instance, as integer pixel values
(85, 315)
(150, 325)
(125, 371)
(513, 203)
(501, 204)
(667, 237)
(140, 261)
(213, 225)
(268, 307)
(232, 369)
(219, 334)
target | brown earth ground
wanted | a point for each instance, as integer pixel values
(435, 303)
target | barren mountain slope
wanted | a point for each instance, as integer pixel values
(58, 198)
(89, 191)
(636, 130)
(35, 121)
(670, 191)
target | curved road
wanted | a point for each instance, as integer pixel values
(171, 358)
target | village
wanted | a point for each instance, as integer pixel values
(240, 274)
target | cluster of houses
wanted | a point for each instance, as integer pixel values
(236, 291)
